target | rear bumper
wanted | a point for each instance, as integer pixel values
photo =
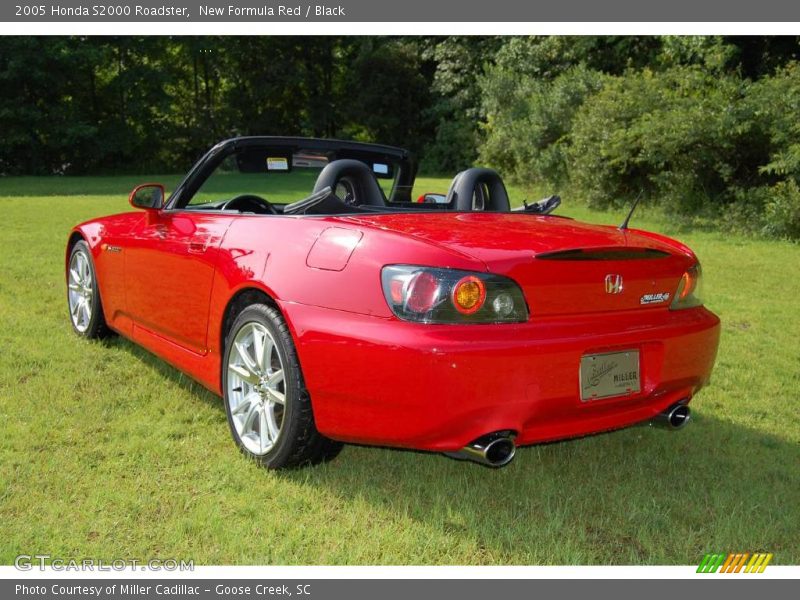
(434, 387)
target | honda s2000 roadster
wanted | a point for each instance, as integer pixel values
(358, 313)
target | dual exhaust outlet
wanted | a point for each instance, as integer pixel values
(497, 449)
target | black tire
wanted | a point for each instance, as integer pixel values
(299, 442)
(96, 327)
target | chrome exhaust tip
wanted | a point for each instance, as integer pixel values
(675, 417)
(492, 450)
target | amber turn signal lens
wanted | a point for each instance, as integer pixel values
(689, 283)
(469, 294)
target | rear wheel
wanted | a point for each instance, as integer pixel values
(83, 295)
(268, 407)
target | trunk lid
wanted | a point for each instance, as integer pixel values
(563, 266)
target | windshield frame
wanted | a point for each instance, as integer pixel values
(203, 168)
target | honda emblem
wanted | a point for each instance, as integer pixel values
(613, 284)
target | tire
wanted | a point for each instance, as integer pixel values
(84, 306)
(268, 407)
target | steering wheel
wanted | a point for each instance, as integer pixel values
(478, 189)
(250, 203)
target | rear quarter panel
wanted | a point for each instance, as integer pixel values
(271, 254)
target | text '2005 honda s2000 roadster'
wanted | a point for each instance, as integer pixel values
(447, 323)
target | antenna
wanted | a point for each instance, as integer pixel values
(624, 225)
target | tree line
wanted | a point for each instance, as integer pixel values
(79, 105)
(702, 125)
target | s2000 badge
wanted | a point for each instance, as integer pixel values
(654, 298)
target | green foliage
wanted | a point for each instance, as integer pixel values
(546, 57)
(386, 93)
(529, 120)
(777, 101)
(456, 111)
(99, 104)
(683, 137)
(710, 52)
(454, 147)
(782, 218)
(673, 118)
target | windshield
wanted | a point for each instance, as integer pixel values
(279, 176)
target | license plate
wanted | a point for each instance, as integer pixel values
(609, 374)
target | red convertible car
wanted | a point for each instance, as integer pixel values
(357, 314)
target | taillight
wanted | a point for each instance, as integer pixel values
(689, 287)
(433, 295)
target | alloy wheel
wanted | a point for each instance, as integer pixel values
(81, 288)
(256, 388)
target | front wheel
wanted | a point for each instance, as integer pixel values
(83, 294)
(268, 407)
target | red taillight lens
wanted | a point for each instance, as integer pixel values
(469, 294)
(422, 293)
(396, 290)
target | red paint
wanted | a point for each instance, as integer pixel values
(378, 380)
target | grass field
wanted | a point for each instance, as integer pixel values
(107, 452)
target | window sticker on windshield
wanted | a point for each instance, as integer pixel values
(380, 168)
(277, 163)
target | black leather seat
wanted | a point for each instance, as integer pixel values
(485, 185)
(357, 175)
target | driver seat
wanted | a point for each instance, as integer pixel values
(365, 186)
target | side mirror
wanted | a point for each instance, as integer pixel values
(149, 196)
(430, 198)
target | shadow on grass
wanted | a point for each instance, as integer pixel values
(169, 373)
(635, 496)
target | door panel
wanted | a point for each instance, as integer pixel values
(169, 271)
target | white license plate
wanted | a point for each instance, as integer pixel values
(609, 374)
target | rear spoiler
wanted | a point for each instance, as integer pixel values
(610, 253)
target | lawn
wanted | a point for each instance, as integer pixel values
(107, 452)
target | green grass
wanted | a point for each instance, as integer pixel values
(105, 451)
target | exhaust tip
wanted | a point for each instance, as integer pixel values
(680, 416)
(675, 417)
(500, 452)
(491, 450)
